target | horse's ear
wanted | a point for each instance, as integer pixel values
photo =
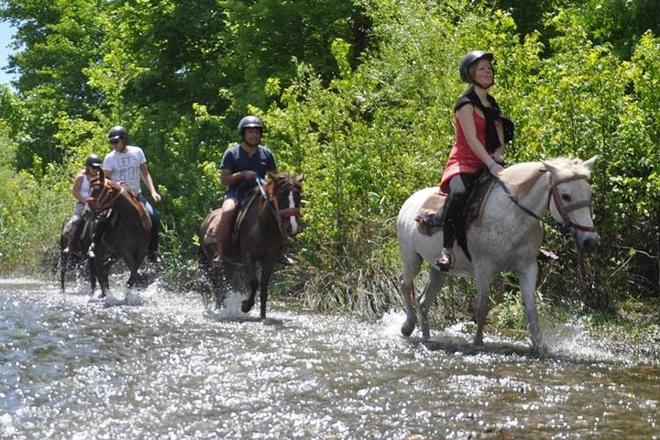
(272, 175)
(101, 176)
(300, 178)
(589, 163)
(548, 166)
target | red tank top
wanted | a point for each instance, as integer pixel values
(461, 158)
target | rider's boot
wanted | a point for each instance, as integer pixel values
(286, 260)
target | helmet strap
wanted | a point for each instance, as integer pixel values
(485, 87)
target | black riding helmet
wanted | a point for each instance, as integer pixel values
(468, 60)
(93, 161)
(249, 121)
(118, 132)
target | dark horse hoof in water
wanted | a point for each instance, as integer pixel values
(246, 306)
(407, 329)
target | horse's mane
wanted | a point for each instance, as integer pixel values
(521, 177)
(131, 198)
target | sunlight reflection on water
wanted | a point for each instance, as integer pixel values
(161, 366)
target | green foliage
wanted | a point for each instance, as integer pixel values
(30, 214)
(358, 96)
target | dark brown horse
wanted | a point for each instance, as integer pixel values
(267, 219)
(123, 228)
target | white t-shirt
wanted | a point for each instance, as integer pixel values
(125, 167)
(84, 186)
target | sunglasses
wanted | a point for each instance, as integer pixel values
(114, 141)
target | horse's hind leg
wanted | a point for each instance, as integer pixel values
(430, 291)
(207, 286)
(483, 278)
(63, 265)
(411, 266)
(253, 283)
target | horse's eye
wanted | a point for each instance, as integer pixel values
(566, 197)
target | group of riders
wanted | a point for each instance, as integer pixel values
(480, 133)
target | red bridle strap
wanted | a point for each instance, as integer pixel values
(289, 212)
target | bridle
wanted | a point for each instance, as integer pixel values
(565, 209)
(568, 227)
(108, 196)
(280, 214)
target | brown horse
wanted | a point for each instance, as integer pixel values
(124, 227)
(267, 219)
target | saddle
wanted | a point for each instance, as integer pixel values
(210, 237)
(472, 214)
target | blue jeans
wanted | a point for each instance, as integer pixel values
(155, 223)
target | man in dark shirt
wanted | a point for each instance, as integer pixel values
(241, 165)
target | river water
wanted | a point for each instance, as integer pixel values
(157, 365)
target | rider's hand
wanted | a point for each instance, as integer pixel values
(155, 196)
(248, 174)
(497, 157)
(495, 168)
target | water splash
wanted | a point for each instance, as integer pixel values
(169, 369)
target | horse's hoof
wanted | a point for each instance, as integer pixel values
(540, 351)
(246, 306)
(407, 329)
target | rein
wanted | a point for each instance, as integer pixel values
(108, 191)
(569, 226)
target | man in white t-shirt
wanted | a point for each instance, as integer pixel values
(127, 163)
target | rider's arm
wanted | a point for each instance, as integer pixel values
(76, 188)
(228, 178)
(466, 119)
(146, 178)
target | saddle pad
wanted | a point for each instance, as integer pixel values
(209, 236)
(432, 205)
(474, 210)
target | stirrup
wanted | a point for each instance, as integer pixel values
(445, 261)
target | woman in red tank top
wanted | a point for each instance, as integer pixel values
(478, 143)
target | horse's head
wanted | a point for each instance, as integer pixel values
(96, 189)
(570, 199)
(285, 192)
(102, 192)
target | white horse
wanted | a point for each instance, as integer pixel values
(508, 237)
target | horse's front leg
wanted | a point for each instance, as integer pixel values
(266, 272)
(253, 284)
(483, 277)
(435, 282)
(527, 277)
(97, 273)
